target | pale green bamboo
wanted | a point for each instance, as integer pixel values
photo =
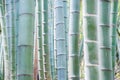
(90, 39)
(4, 39)
(45, 41)
(51, 38)
(16, 16)
(114, 10)
(81, 50)
(13, 41)
(1, 57)
(73, 63)
(65, 5)
(25, 40)
(104, 39)
(39, 24)
(60, 40)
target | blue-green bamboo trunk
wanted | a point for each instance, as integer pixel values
(25, 40)
(114, 11)
(73, 63)
(104, 38)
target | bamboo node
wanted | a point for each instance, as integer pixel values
(105, 25)
(24, 75)
(105, 47)
(58, 6)
(59, 23)
(60, 39)
(59, 68)
(75, 11)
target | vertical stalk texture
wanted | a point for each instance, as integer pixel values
(13, 41)
(73, 42)
(60, 40)
(90, 39)
(25, 40)
(16, 16)
(114, 10)
(45, 41)
(4, 39)
(65, 4)
(35, 51)
(39, 24)
(51, 38)
(105, 55)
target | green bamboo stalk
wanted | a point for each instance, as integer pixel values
(81, 50)
(73, 63)
(65, 5)
(51, 38)
(16, 16)
(13, 41)
(4, 39)
(25, 40)
(104, 39)
(55, 52)
(114, 10)
(39, 24)
(60, 40)
(8, 31)
(45, 41)
(1, 57)
(90, 39)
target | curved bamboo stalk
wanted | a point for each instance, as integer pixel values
(73, 63)
(90, 39)
(25, 40)
(105, 55)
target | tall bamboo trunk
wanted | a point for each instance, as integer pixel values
(39, 25)
(1, 57)
(51, 37)
(55, 50)
(4, 39)
(114, 10)
(25, 40)
(65, 8)
(45, 41)
(60, 40)
(73, 63)
(13, 42)
(90, 39)
(16, 17)
(35, 53)
(105, 55)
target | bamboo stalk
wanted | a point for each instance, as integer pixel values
(90, 39)
(114, 10)
(104, 39)
(39, 25)
(51, 38)
(25, 40)
(60, 40)
(45, 41)
(4, 39)
(73, 64)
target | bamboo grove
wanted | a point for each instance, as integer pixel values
(59, 40)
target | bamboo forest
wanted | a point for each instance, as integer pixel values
(59, 39)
